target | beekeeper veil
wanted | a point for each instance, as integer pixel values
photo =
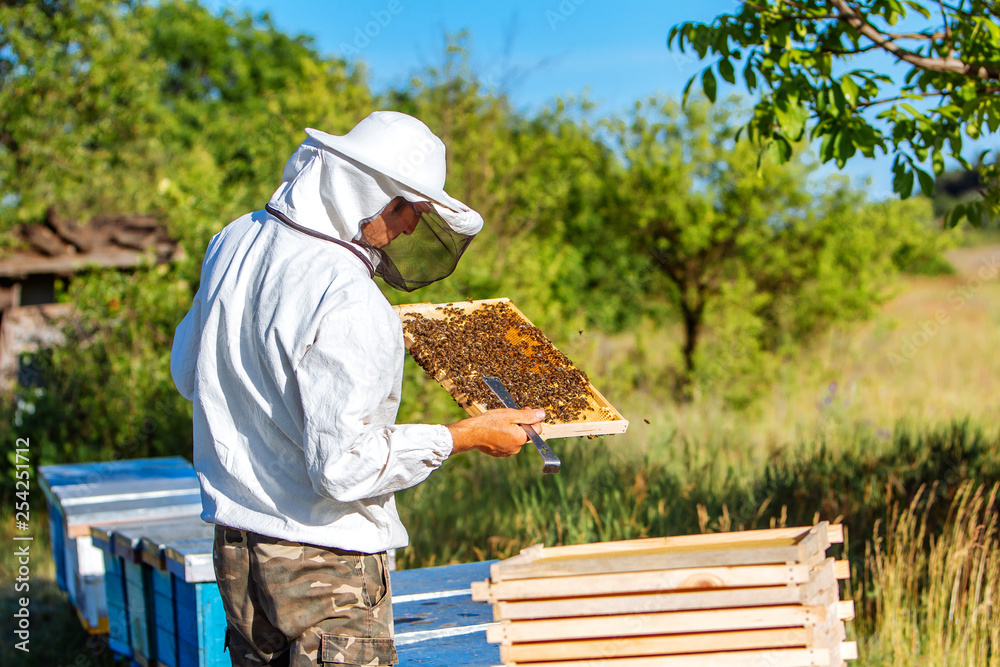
(380, 189)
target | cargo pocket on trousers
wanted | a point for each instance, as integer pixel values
(343, 650)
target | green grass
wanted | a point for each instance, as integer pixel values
(476, 508)
(57, 639)
(926, 578)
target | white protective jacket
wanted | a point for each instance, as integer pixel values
(293, 359)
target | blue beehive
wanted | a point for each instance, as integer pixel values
(198, 611)
(81, 495)
(138, 593)
(159, 600)
(114, 586)
(139, 589)
(437, 622)
(153, 547)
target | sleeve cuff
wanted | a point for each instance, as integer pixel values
(443, 444)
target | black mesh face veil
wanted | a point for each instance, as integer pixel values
(428, 253)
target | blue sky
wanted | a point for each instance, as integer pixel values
(615, 52)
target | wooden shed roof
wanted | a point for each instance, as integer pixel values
(60, 246)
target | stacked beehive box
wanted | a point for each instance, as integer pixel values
(764, 597)
(163, 603)
(140, 589)
(81, 495)
(198, 610)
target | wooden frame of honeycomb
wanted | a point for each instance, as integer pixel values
(524, 361)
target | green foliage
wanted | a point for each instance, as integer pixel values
(795, 55)
(693, 201)
(916, 243)
(124, 107)
(79, 101)
(107, 394)
(240, 92)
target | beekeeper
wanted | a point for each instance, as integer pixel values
(293, 359)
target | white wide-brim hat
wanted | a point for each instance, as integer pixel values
(404, 149)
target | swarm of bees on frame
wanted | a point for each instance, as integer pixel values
(494, 340)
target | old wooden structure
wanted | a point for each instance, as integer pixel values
(56, 249)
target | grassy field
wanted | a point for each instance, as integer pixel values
(926, 357)
(890, 426)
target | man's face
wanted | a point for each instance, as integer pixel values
(398, 217)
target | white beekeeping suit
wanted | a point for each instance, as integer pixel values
(292, 356)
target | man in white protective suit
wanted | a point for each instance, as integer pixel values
(293, 360)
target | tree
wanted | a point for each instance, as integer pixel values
(79, 101)
(112, 107)
(238, 92)
(767, 259)
(798, 54)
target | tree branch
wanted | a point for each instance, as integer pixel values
(768, 10)
(915, 35)
(948, 64)
(796, 18)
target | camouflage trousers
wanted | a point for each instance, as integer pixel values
(300, 605)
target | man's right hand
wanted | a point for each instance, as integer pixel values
(495, 432)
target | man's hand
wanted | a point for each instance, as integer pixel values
(495, 432)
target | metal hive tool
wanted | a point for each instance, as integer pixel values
(552, 462)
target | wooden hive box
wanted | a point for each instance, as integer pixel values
(198, 612)
(720, 599)
(153, 547)
(140, 595)
(82, 495)
(600, 418)
(119, 639)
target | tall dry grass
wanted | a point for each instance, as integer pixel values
(934, 599)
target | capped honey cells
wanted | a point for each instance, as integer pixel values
(493, 340)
